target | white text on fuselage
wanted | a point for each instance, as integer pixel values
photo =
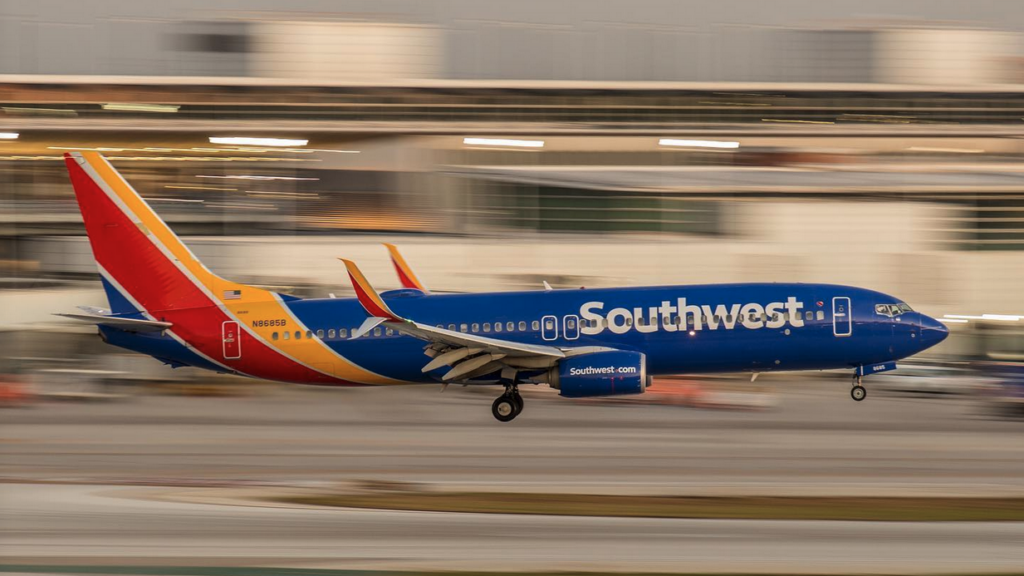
(682, 316)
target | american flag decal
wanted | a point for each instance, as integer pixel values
(232, 294)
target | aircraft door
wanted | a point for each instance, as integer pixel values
(231, 340)
(842, 316)
(549, 327)
(571, 327)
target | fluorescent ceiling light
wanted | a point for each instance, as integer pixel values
(250, 177)
(8, 135)
(698, 143)
(503, 142)
(994, 317)
(129, 107)
(243, 141)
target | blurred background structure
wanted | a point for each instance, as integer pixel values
(615, 143)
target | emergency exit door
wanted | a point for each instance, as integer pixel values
(231, 340)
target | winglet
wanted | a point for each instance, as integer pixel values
(368, 297)
(405, 274)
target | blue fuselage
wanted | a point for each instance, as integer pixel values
(680, 329)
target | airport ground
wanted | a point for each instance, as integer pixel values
(153, 480)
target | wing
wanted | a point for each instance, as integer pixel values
(405, 274)
(469, 355)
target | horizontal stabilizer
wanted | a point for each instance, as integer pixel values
(126, 324)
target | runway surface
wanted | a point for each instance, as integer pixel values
(816, 441)
(97, 525)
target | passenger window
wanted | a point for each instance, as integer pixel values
(548, 325)
(690, 320)
(298, 335)
(728, 318)
(753, 317)
(389, 332)
(487, 326)
(320, 334)
(678, 320)
(331, 333)
(376, 331)
(286, 335)
(809, 315)
(451, 327)
(497, 326)
(273, 336)
(309, 335)
(463, 327)
(511, 327)
(571, 323)
(717, 318)
(820, 315)
(629, 321)
(343, 333)
(775, 317)
(476, 327)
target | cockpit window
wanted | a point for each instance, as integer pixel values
(892, 309)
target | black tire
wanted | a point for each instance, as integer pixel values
(858, 393)
(504, 409)
(519, 403)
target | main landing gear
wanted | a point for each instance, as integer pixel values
(508, 405)
(858, 392)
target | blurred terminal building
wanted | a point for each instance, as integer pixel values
(505, 143)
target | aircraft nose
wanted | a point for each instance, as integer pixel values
(932, 331)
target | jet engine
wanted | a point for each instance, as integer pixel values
(609, 373)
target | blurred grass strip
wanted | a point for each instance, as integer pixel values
(881, 509)
(162, 570)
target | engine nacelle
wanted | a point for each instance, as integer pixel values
(600, 374)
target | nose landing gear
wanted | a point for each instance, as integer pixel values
(509, 405)
(858, 392)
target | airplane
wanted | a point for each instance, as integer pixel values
(582, 342)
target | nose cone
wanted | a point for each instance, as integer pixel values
(932, 331)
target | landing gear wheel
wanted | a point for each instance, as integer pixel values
(858, 393)
(519, 402)
(505, 408)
